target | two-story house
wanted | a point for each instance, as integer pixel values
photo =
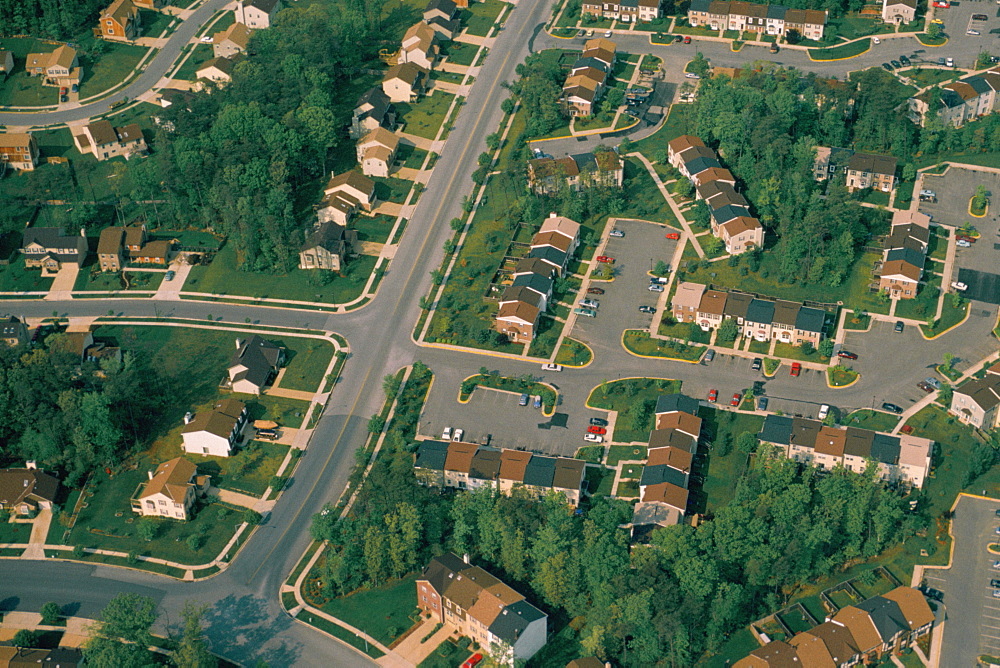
(104, 141)
(344, 195)
(257, 13)
(442, 17)
(406, 82)
(171, 491)
(19, 150)
(49, 248)
(626, 11)
(13, 331)
(897, 12)
(217, 432)
(119, 22)
(372, 110)
(584, 170)
(419, 46)
(60, 68)
(25, 491)
(376, 152)
(231, 41)
(686, 301)
(326, 247)
(254, 364)
(975, 401)
(877, 172)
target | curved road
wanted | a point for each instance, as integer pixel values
(245, 622)
(154, 70)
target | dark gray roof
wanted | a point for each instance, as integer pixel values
(12, 328)
(737, 304)
(328, 236)
(590, 61)
(553, 255)
(698, 165)
(446, 6)
(379, 103)
(440, 570)
(260, 357)
(885, 615)
(776, 11)
(540, 471)
(521, 293)
(858, 442)
(810, 319)
(54, 237)
(979, 84)
(668, 403)
(511, 622)
(950, 98)
(776, 429)
(910, 255)
(726, 213)
(432, 455)
(760, 310)
(654, 475)
(263, 5)
(539, 284)
(885, 448)
(699, 5)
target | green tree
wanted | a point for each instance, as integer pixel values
(147, 529)
(192, 650)
(746, 442)
(390, 385)
(376, 423)
(699, 65)
(122, 636)
(934, 31)
(984, 60)
(728, 331)
(25, 638)
(826, 347)
(979, 198)
(51, 613)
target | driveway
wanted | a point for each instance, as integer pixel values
(973, 614)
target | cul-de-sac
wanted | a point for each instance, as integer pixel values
(500, 333)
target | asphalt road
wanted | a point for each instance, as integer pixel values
(155, 69)
(245, 622)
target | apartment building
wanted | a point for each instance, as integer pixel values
(976, 401)
(905, 251)
(775, 20)
(626, 11)
(877, 172)
(583, 170)
(588, 77)
(959, 101)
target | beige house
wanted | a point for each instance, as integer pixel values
(626, 11)
(104, 141)
(326, 247)
(257, 13)
(254, 365)
(582, 91)
(877, 172)
(19, 150)
(25, 491)
(583, 170)
(686, 301)
(344, 195)
(372, 110)
(406, 82)
(677, 146)
(218, 70)
(959, 102)
(216, 432)
(376, 152)
(234, 39)
(442, 17)
(419, 46)
(171, 491)
(741, 234)
(976, 401)
(899, 11)
(6, 62)
(775, 20)
(119, 22)
(560, 226)
(57, 68)
(50, 248)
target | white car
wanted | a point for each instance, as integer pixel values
(824, 410)
(607, 34)
(972, 32)
(446, 434)
(551, 367)
(207, 39)
(691, 75)
(589, 303)
(962, 243)
(593, 438)
(655, 287)
(959, 285)
(459, 433)
(876, 40)
(950, 62)
(996, 565)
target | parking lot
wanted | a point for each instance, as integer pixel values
(954, 190)
(973, 613)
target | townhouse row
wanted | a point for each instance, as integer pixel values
(626, 11)
(901, 458)
(548, 176)
(716, 186)
(468, 466)
(588, 78)
(860, 170)
(761, 319)
(905, 251)
(960, 101)
(775, 20)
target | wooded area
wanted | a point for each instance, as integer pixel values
(47, 18)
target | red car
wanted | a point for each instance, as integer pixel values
(796, 368)
(713, 395)
(595, 291)
(600, 431)
(737, 398)
(472, 661)
(847, 355)
(942, 4)
(605, 259)
(673, 235)
(925, 387)
(63, 90)
(687, 39)
(966, 237)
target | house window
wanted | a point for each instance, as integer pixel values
(162, 502)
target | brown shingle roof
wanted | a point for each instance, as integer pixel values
(666, 492)
(172, 478)
(554, 239)
(520, 311)
(669, 456)
(913, 605)
(739, 225)
(831, 441)
(713, 302)
(901, 268)
(354, 179)
(110, 242)
(877, 164)
(512, 464)
(681, 421)
(460, 457)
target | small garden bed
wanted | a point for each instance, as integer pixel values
(866, 418)
(591, 453)
(927, 40)
(859, 322)
(771, 366)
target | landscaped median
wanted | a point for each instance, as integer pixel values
(841, 376)
(522, 385)
(638, 342)
(842, 52)
(634, 400)
(574, 354)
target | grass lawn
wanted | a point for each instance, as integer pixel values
(924, 306)
(738, 645)
(927, 40)
(154, 24)
(839, 376)
(950, 316)
(599, 481)
(201, 54)
(937, 245)
(640, 343)
(15, 532)
(447, 77)
(286, 412)
(904, 195)
(15, 277)
(632, 471)
(375, 229)
(626, 453)
(868, 419)
(573, 353)
(853, 26)
(19, 89)
(92, 278)
(841, 52)
(546, 336)
(721, 472)
(392, 189)
(424, 117)
(686, 331)
(460, 53)
(796, 353)
(481, 16)
(411, 156)
(761, 347)
(680, 121)
(877, 197)
(306, 364)
(114, 66)
(249, 471)
(591, 453)
(620, 395)
(383, 613)
(929, 77)
(223, 278)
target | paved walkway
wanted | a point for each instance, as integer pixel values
(39, 532)
(670, 200)
(62, 286)
(412, 651)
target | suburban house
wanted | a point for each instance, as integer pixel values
(559, 232)
(254, 364)
(899, 11)
(344, 195)
(518, 321)
(830, 161)
(468, 466)
(117, 244)
(877, 172)
(6, 62)
(104, 141)
(326, 247)
(419, 46)
(739, 234)
(532, 289)
(686, 301)
(57, 68)
(218, 70)
(677, 146)
(976, 401)
(25, 491)
(588, 77)
(110, 249)
(13, 331)
(405, 82)
(442, 17)
(960, 101)
(234, 39)
(601, 168)
(775, 20)
(372, 110)
(257, 13)
(481, 607)
(171, 491)
(762, 319)
(905, 251)
(50, 247)
(857, 634)
(19, 150)
(119, 22)
(900, 458)
(216, 432)
(376, 152)
(626, 11)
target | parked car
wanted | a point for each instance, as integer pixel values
(927, 193)
(892, 408)
(207, 39)
(551, 367)
(941, 4)
(796, 369)
(64, 98)
(655, 287)
(607, 33)
(523, 401)
(962, 243)
(600, 422)
(605, 259)
(691, 75)
(595, 291)
(847, 355)
(590, 33)
(662, 280)
(647, 309)
(737, 398)
(687, 39)
(678, 38)
(762, 403)
(887, 67)
(446, 434)
(980, 17)
(756, 364)
(876, 40)
(594, 429)
(709, 356)
(959, 285)
(269, 434)
(824, 410)
(898, 327)
(974, 33)
(950, 62)
(593, 438)
(965, 237)
(994, 582)
(582, 33)
(713, 395)
(169, 276)
(538, 401)
(904, 60)
(933, 382)
(590, 303)
(459, 434)
(925, 387)
(895, 64)
(75, 87)
(63, 90)
(474, 660)
(774, 47)
(616, 233)
(586, 312)
(996, 593)
(932, 593)
(673, 235)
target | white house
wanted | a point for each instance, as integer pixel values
(171, 491)
(216, 432)
(257, 13)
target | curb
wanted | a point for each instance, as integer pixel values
(556, 403)
(968, 314)
(840, 387)
(654, 357)
(933, 46)
(579, 366)
(985, 211)
(833, 60)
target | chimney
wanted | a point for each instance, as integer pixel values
(188, 417)
(83, 232)
(150, 474)
(553, 214)
(31, 464)
(465, 557)
(238, 344)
